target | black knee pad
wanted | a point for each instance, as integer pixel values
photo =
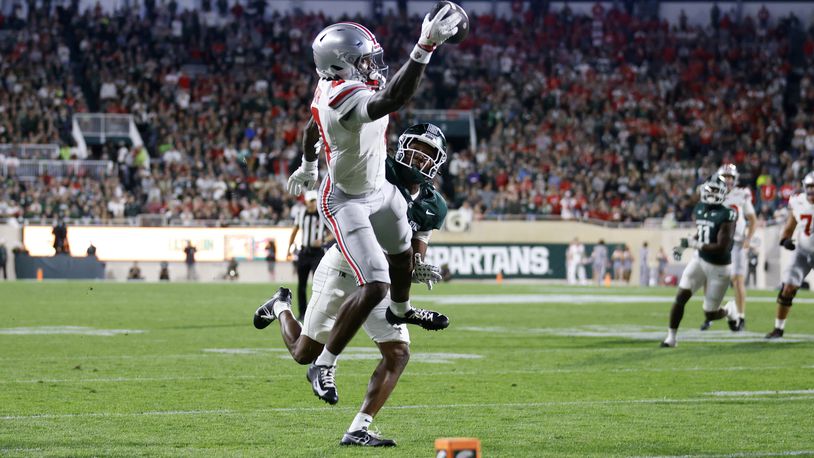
(785, 301)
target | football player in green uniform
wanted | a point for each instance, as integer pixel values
(420, 154)
(711, 266)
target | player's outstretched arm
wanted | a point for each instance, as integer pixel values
(400, 89)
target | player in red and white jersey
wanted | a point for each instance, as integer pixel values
(365, 212)
(802, 214)
(740, 200)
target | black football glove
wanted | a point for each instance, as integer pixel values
(788, 244)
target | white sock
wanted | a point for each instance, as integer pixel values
(279, 307)
(400, 308)
(671, 335)
(326, 358)
(361, 421)
(742, 315)
(779, 324)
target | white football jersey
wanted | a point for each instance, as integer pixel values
(740, 200)
(356, 147)
(803, 212)
(576, 252)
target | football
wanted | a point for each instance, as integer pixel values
(463, 26)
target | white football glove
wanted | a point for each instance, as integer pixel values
(677, 252)
(425, 273)
(304, 178)
(436, 30)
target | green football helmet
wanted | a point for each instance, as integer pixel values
(419, 158)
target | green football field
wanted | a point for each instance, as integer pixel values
(98, 369)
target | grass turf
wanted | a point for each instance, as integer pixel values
(528, 373)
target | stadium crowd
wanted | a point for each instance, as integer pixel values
(609, 116)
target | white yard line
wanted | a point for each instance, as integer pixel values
(758, 393)
(595, 298)
(433, 407)
(363, 373)
(740, 455)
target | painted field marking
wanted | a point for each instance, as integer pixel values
(474, 299)
(434, 407)
(739, 455)
(356, 354)
(62, 330)
(638, 332)
(759, 393)
(365, 374)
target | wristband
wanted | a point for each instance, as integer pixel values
(421, 54)
(307, 165)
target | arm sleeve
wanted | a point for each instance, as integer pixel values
(424, 236)
(748, 208)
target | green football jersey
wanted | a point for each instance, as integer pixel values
(708, 221)
(428, 210)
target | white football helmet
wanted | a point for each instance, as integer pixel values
(729, 170)
(349, 51)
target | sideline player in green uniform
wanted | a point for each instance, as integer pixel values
(421, 152)
(711, 266)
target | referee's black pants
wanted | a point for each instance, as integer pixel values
(307, 263)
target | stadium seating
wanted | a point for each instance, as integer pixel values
(609, 117)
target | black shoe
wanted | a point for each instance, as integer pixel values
(734, 325)
(365, 439)
(742, 324)
(775, 334)
(322, 382)
(667, 345)
(427, 319)
(264, 315)
(706, 325)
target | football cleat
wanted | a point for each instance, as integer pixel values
(427, 319)
(775, 334)
(706, 325)
(264, 315)
(323, 382)
(365, 438)
(666, 344)
(734, 325)
(732, 318)
(742, 324)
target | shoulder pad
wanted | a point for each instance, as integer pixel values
(342, 92)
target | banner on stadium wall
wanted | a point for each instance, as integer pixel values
(162, 243)
(485, 260)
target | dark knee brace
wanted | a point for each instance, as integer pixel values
(785, 301)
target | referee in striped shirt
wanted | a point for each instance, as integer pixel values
(314, 236)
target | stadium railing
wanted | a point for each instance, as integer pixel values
(98, 128)
(30, 151)
(33, 168)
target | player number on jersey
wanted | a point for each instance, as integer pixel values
(703, 234)
(807, 219)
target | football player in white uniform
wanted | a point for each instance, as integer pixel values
(740, 200)
(802, 213)
(710, 267)
(422, 150)
(349, 118)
